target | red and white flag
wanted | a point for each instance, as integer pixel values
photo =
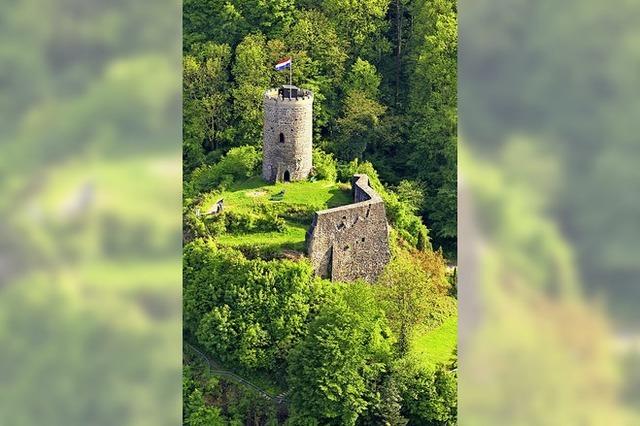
(283, 64)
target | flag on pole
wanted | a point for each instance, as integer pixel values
(283, 64)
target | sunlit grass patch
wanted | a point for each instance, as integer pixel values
(292, 238)
(294, 200)
(245, 195)
(431, 347)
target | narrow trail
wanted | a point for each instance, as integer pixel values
(215, 369)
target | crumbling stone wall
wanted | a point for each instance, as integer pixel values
(350, 242)
(288, 134)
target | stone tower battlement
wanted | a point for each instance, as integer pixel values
(288, 134)
(350, 242)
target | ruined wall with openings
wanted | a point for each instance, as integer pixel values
(350, 242)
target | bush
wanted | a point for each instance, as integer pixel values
(193, 226)
(238, 163)
(429, 396)
(271, 222)
(202, 179)
(215, 225)
(408, 225)
(296, 212)
(324, 165)
(262, 219)
(239, 221)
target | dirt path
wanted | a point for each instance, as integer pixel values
(215, 369)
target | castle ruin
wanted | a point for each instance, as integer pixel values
(350, 242)
(344, 243)
(288, 134)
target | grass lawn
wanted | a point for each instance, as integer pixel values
(244, 196)
(319, 194)
(292, 238)
(435, 346)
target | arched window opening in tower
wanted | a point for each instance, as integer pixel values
(281, 137)
(287, 176)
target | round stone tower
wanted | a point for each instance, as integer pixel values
(288, 133)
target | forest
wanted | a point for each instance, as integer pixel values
(267, 341)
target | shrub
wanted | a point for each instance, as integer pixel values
(324, 165)
(296, 212)
(239, 221)
(193, 226)
(262, 218)
(409, 226)
(215, 225)
(430, 396)
(239, 163)
(271, 222)
(202, 179)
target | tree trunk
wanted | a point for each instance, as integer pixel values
(398, 47)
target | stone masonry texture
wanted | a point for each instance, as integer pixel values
(350, 242)
(288, 134)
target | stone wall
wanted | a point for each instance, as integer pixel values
(350, 242)
(288, 134)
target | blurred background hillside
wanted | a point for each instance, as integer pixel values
(548, 212)
(90, 225)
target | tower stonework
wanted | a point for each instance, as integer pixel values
(288, 134)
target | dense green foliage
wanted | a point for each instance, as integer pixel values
(430, 395)
(239, 163)
(246, 312)
(324, 165)
(332, 370)
(331, 344)
(404, 289)
(233, 403)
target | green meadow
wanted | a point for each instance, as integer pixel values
(306, 196)
(435, 346)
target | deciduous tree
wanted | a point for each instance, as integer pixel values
(332, 370)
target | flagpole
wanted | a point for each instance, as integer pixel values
(290, 71)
